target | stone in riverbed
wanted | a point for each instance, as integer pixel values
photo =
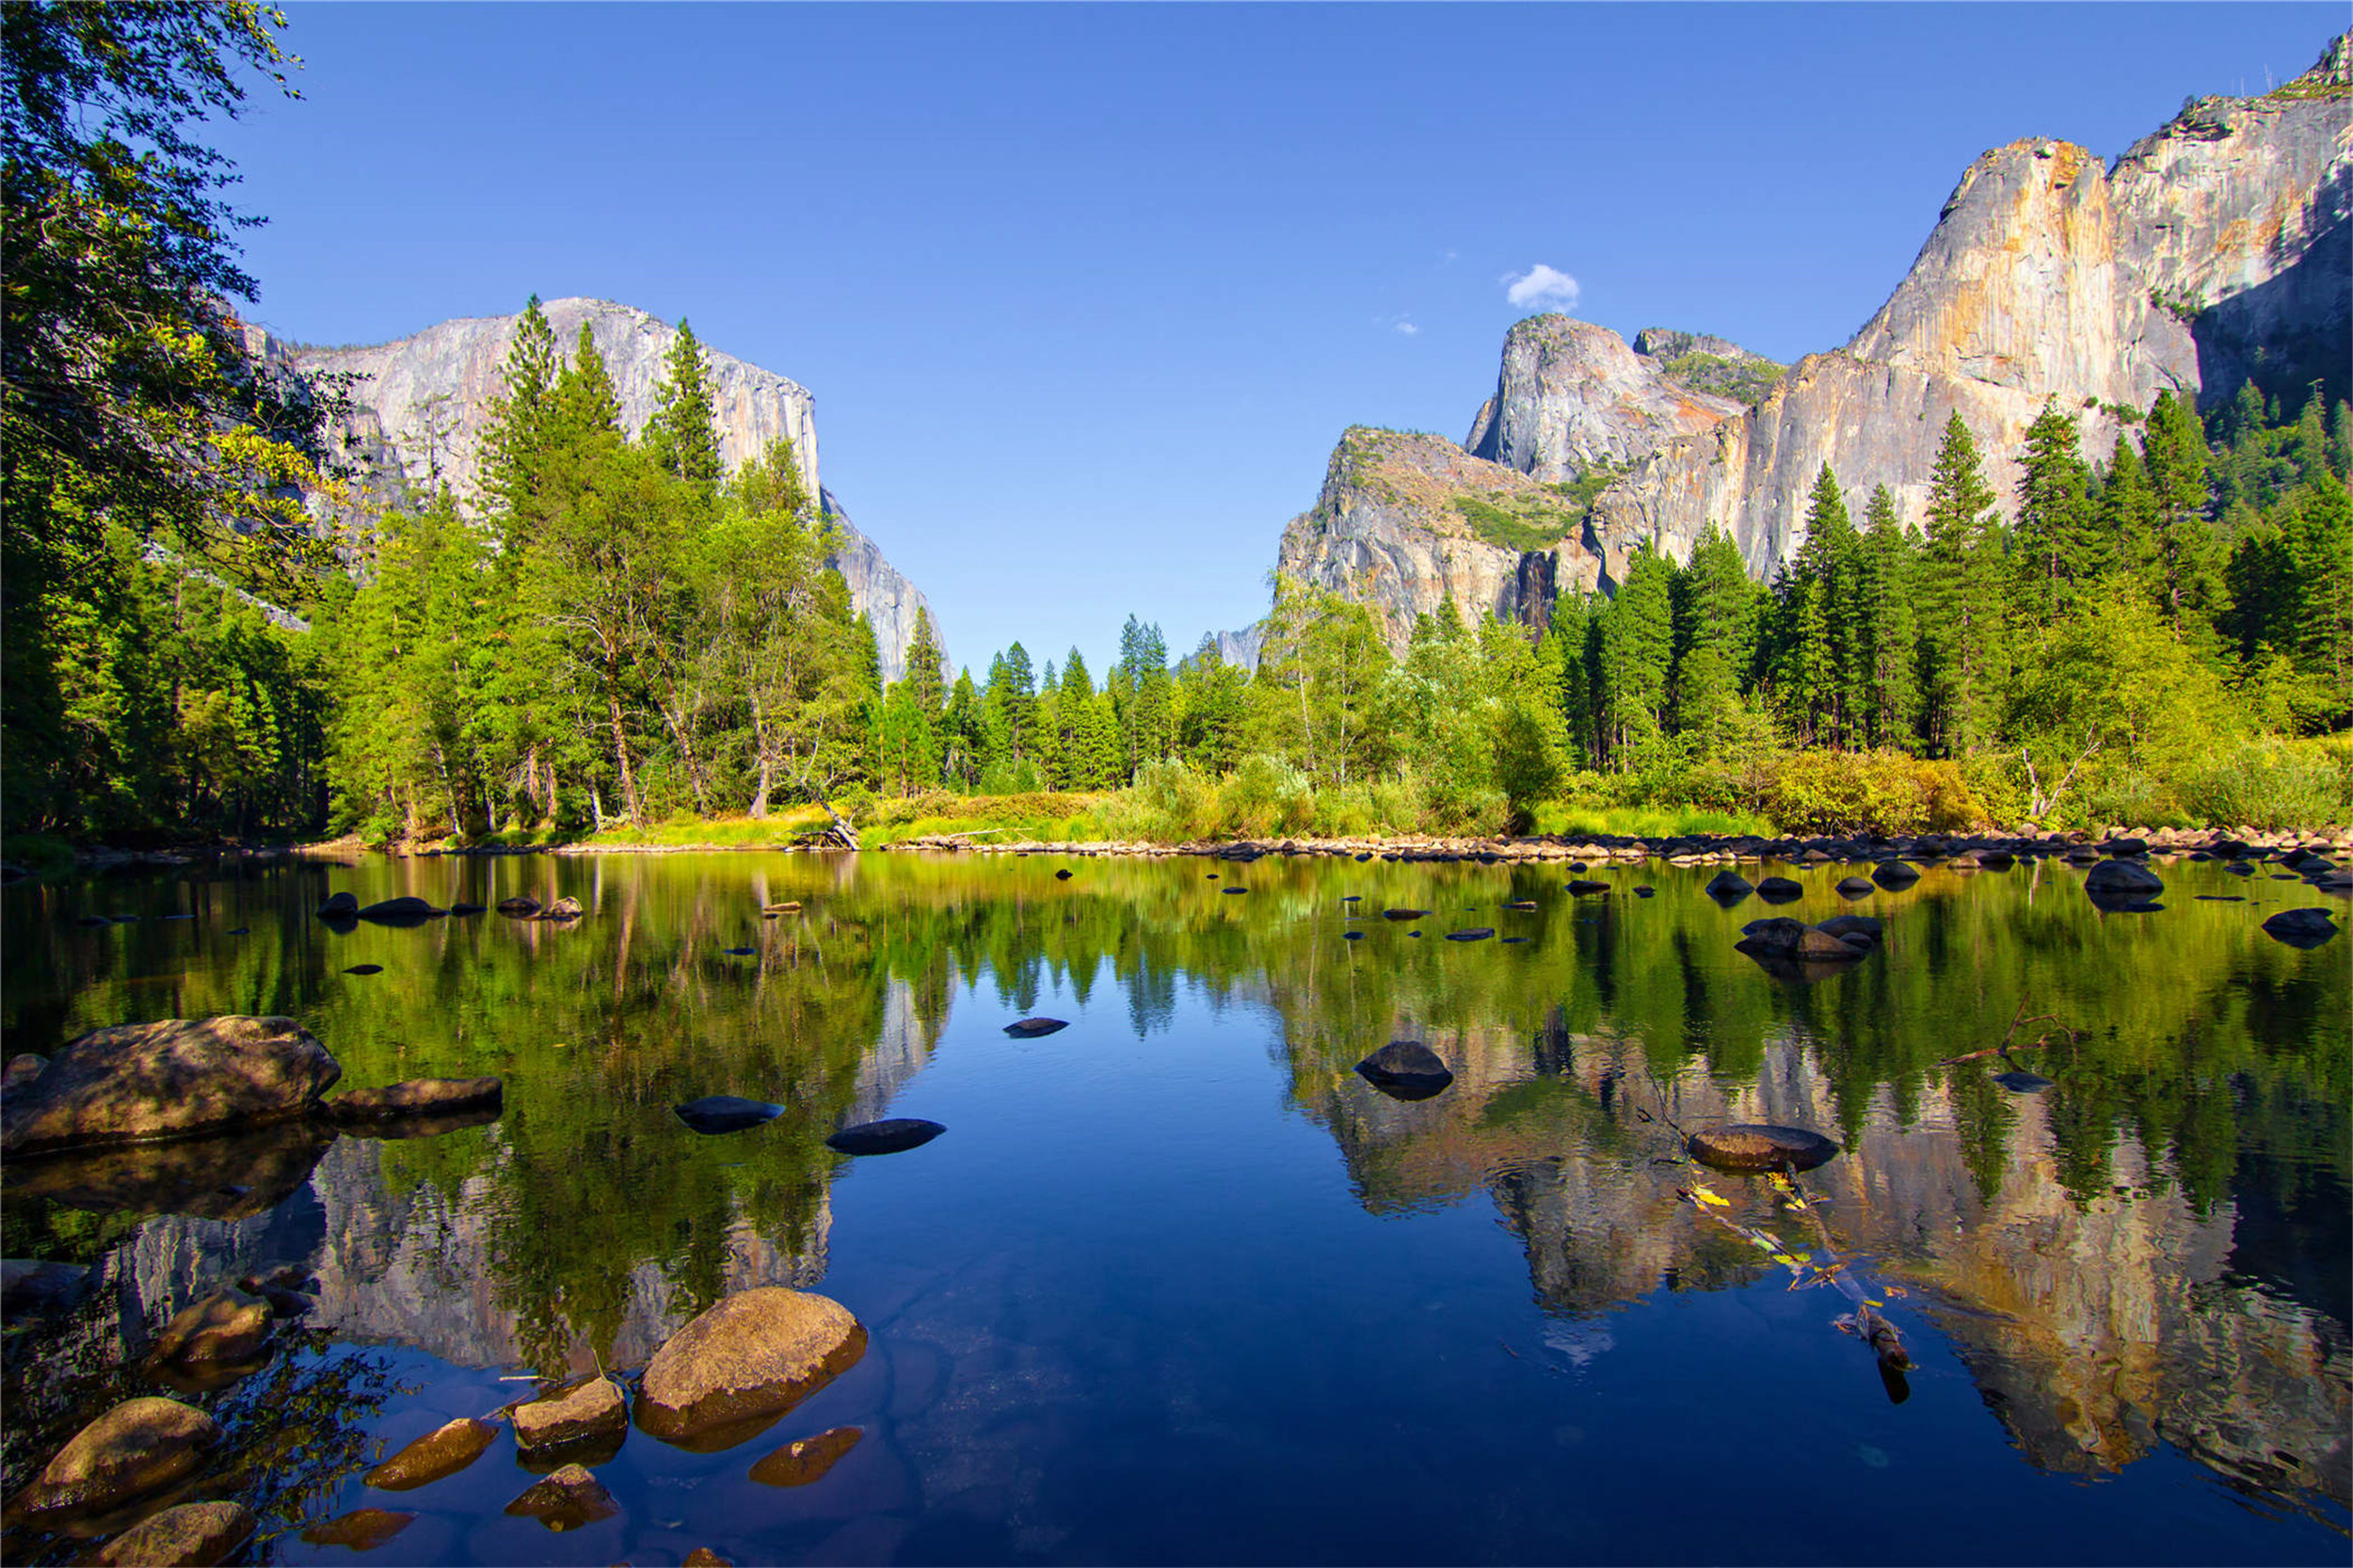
(1029, 1028)
(2122, 880)
(31, 1287)
(401, 911)
(166, 1080)
(1846, 926)
(1778, 889)
(1728, 886)
(227, 1328)
(443, 1452)
(1406, 1069)
(1521, 905)
(1751, 1146)
(1856, 886)
(464, 908)
(1403, 914)
(139, 1446)
(1894, 874)
(756, 1353)
(590, 1412)
(418, 1097)
(566, 909)
(566, 1500)
(893, 1136)
(1584, 888)
(717, 1114)
(2304, 928)
(340, 907)
(198, 1534)
(521, 906)
(22, 1070)
(1645, 891)
(806, 1461)
(222, 1176)
(363, 1529)
(786, 906)
(2019, 1083)
(1473, 933)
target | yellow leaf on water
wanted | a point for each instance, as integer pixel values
(1706, 1195)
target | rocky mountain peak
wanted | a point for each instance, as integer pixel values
(1572, 395)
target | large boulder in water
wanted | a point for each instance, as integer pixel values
(225, 1328)
(1894, 874)
(893, 1136)
(2123, 880)
(199, 1534)
(1750, 1146)
(521, 906)
(756, 1353)
(2300, 928)
(566, 1500)
(443, 1452)
(1406, 1069)
(140, 1446)
(338, 907)
(168, 1079)
(566, 909)
(401, 911)
(1729, 885)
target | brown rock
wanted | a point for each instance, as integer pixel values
(165, 1079)
(806, 1459)
(1749, 1146)
(140, 1446)
(363, 1529)
(566, 909)
(441, 1452)
(192, 1533)
(566, 1500)
(226, 1327)
(591, 1412)
(703, 1557)
(757, 1352)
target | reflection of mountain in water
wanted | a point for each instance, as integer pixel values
(2094, 1327)
(413, 1265)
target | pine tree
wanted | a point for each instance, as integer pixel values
(1716, 610)
(586, 404)
(2126, 513)
(684, 433)
(1636, 656)
(1561, 658)
(2181, 580)
(1145, 720)
(1957, 611)
(925, 677)
(2058, 549)
(1818, 665)
(517, 437)
(1889, 638)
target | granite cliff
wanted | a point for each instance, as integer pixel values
(418, 408)
(2216, 249)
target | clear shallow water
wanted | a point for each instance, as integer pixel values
(1178, 1285)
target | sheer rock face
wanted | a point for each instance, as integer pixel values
(2216, 248)
(423, 402)
(421, 405)
(879, 591)
(1386, 531)
(1572, 394)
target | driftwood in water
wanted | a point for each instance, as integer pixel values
(2057, 1034)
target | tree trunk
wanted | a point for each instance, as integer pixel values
(630, 802)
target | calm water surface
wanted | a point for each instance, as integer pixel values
(1178, 1285)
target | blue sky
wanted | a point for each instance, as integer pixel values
(1087, 293)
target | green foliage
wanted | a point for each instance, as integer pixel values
(1887, 793)
(1744, 381)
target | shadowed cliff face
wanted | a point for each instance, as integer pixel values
(2214, 249)
(421, 405)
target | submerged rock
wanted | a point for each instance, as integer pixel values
(566, 909)
(167, 1080)
(1403, 914)
(758, 1352)
(2019, 1083)
(1778, 889)
(1029, 1028)
(227, 1327)
(893, 1136)
(365, 969)
(716, 1113)
(590, 1412)
(1850, 925)
(1406, 1069)
(806, 1459)
(22, 1069)
(2304, 928)
(1894, 874)
(566, 1500)
(418, 1097)
(1584, 888)
(521, 906)
(1752, 1147)
(1856, 886)
(740, 953)
(31, 1287)
(192, 1533)
(1471, 934)
(224, 1176)
(463, 908)
(443, 1452)
(139, 1446)
(338, 907)
(363, 1529)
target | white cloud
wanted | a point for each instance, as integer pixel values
(1409, 329)
(1541, 285)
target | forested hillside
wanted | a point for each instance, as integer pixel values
(614, 630)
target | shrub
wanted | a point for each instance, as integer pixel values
(1887, 792)
(2270, 783)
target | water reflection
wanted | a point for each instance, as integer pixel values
(2146, 1255)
